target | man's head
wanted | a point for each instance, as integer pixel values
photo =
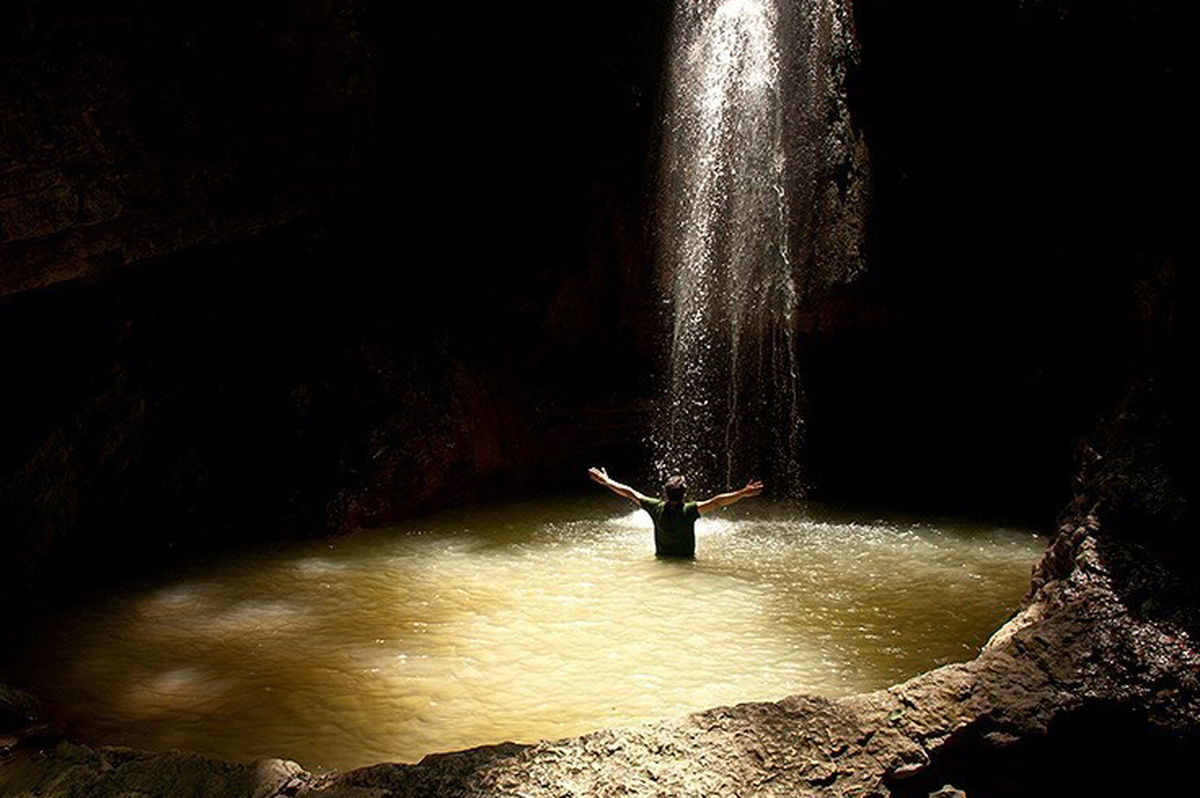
(674, 488)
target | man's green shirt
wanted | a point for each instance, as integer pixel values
(674, 527)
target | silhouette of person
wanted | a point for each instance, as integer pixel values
(674, 519)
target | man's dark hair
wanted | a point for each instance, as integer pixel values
(674, 488)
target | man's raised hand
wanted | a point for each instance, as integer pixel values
(598, 475)
(753, 488)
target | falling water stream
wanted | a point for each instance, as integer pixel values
(754, 147)
(514, 622)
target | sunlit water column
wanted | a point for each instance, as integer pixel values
(748, 147)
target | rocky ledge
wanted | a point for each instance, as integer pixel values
(1092, 686)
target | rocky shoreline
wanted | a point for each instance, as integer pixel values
(1085, 669)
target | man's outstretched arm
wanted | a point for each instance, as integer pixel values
(753, 488)
(600, 477)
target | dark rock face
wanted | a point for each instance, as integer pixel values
(281, 269)
(166, 417)
(17, 709)
(133, 132)
(1031, 163)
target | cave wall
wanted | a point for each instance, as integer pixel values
(135, 130)
(286, 268)
(1033, 169)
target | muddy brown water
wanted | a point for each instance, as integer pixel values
(521, 621)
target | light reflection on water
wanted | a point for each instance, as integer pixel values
(521, 621)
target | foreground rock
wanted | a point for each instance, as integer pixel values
(1081, 691)
(75, 770)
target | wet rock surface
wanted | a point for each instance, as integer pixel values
(70, 770)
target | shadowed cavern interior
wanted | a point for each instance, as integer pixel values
(283, 270)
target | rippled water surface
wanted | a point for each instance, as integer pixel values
(518, 622)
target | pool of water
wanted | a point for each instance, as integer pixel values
(517, 622)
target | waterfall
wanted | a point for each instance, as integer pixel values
(760, 197)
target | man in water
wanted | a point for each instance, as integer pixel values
(674, 521)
